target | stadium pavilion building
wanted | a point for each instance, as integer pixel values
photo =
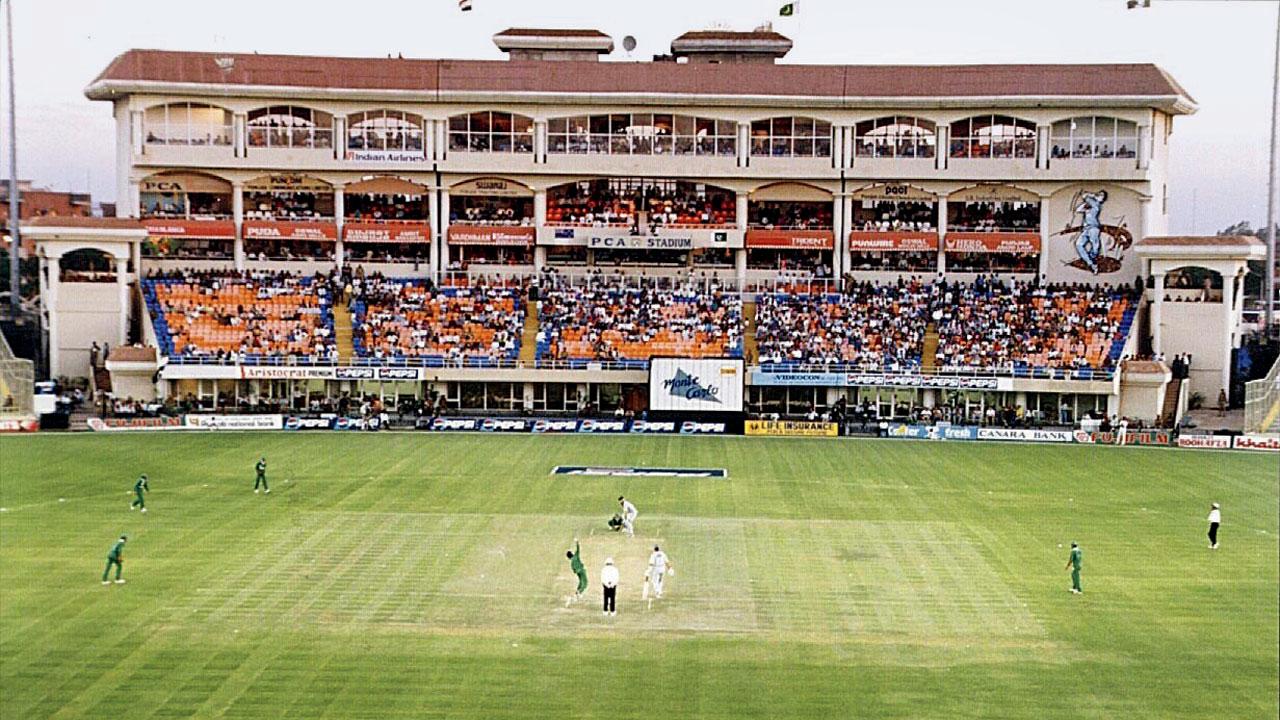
(803, 173)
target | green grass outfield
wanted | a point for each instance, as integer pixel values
(423, 576)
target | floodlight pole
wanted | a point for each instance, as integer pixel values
(15, 296)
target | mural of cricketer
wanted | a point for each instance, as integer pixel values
(1089, 244)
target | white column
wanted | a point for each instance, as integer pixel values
(132, 200)
(55, 352)
(429, 139)
(444, 231)
(240, 134)
(339, 138)
(1044, 238)
(433, 209)
(740, 266)
(943, 148)
(1157, 313)
(441, 146)
(539, 208)
(122, 291)
(842, 240)
(838, 133)
(744, 144)
(339, 214)
(540, 141)
(942, 225)
(539, 257)
(237, 218)
(1042, 147)
(1143, 150)
(1228, 326)
(741, 210)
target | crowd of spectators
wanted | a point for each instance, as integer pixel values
(869, 325)
(287, 206)
(612, 320)
(233, 316)
(994, 217)
(396, 319)
(466, 210)
(993, 324)
(620, 202)
(375, 208)
(798, 215)
(895, 217)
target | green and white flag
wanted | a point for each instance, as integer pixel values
(787, 10)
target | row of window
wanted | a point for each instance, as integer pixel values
(985, 136)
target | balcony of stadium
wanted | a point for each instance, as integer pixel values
(894, 230)
(290, 219)
(491, 227)
(993, 229)
(386, 221)
(790, 232)
(189, 219)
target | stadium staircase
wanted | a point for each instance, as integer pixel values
(101, 379)
(342, 333)
(529, 338)
(929, 355)
(749, 331)
(1169, 412)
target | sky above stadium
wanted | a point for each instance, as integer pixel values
(1220, 51)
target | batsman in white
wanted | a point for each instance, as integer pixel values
(659, 566)
(629, 513)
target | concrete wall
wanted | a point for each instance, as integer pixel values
(1197, 328)
(87, 313)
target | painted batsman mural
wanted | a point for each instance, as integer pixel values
(1094, 238)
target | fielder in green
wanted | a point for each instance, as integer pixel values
(1074, 563)
(575, 564)
(261, 467)
(115, 557)
(139, 488)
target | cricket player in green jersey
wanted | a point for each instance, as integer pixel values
(261, 467)
(115, 557)
(575, 563)
(139, 488)
(1074, 562)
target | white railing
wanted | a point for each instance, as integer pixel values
(1262, 402)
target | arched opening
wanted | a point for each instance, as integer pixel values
(790, 137)
(894, 228)
(1093, 137)
(289, 217)
(385, 130)
(188, 215)
(993, 228)
(290, 126)
(187, 123)
(87, 265)
(993, 136)
(896, 136)
(386, 219)
(789, 226)
(1193, 283)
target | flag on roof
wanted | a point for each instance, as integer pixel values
(787, 10)
(464, 5)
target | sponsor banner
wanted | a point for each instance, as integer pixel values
(17, 425)
(446, 424)
(933, 432)
(286, 372)
(871, 240)
(504, 425)
(791, 428)
(508, 235)
(894, 192)
(993, 242)
(994, 194)
(490, 187)
(682, 385)
(290, 230)
(234, 422)
(388, 232)
(140, 423)
(656, 238)
(1131, 437)
(792, 239)
(177, 183)
(324, 422)
(602, 426)
(639, 471)
(554, 426)
(206, 229)
(395, 156)
(944, 382)
(689, 427)
(1024, 435)
(301, 372)
(1206, 442)
(1268, 443)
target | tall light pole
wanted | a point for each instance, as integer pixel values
(1269, 279)
(15, 296)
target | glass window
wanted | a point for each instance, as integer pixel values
(1093, 138)
(290, 126)
(896, 136)
(187, 124)
(791, 137)
(492, 131)
(993, 136)
(387, 130)
(642, 134)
